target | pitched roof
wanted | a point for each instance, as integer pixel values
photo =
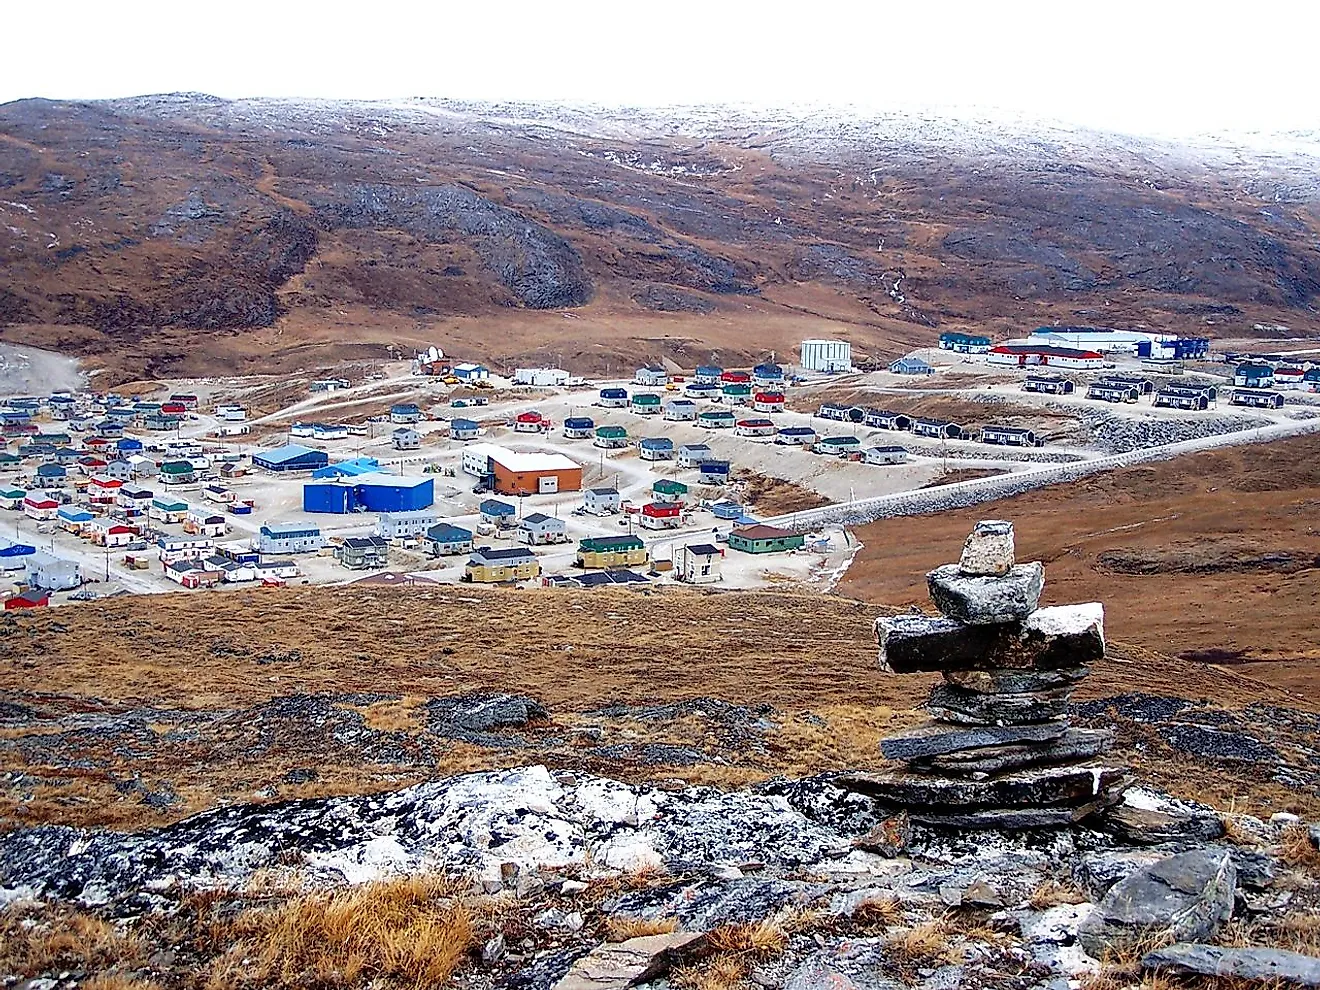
(762, 532)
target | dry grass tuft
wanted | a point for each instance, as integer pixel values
(1296, 849)
(1235, 833)
(927, 944)
(31, 944)
(720, 973)
(1052, 893)
(756, 940)
(118, 981)
(885, 912)
(622, 929)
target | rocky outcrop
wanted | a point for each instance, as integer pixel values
(1268, 967)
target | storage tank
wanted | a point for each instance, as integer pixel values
(826, 355)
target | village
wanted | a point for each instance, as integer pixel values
(436, 470)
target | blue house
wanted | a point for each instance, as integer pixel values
(964, 343)
(714, 472)
(768, 374)
(614, 397)
(52, 472)
(726, 510)
(911, 366)
(291, 457)
(656, 449)
(497, 513)
(579, 427)
(464, 429)
(1254, 374)
(471, 372)
(708, 374)
(128, 445)
(405, 412)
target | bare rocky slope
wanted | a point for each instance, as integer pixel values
(130, 225)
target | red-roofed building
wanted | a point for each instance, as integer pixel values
(1028, 355)
(661, 515)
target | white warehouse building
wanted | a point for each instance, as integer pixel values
(826, 355)
(1093, 339)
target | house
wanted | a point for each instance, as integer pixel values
(28, 599)
(120, 469)
(530, 421)
(668, 490)
(172, 549)
(646, 403)
(204, 522)
(103, 491)
(735, 378)
(490, 566)
(1173, 397)
(177, 473)
(1143, 385)
(716, 419)
(656, 449)
(692, 454)
(134, 499)
(408, 522)
(611, 551)
(231, 571)
(613, 398)
(363, 553)
(708, 374)
(601, 501)
(218, 494)
(12, 498)
(796, 435)
(406, 438)
(611, 437)
(444, 539)
(330, 431)
(1112, 392)
(714, 472)
(698, 563)
(840, 413)
(755, 428)
(8, 460)
(764, 539)
(51, 475)
(540, 377)
(1290, 378)
(290, 457)
(73, 518)
(768, 402)
(911, 365)
(50, 573)
(468, 372)
(1256, 398)
(290, 537)
(883, 419)
(167, 510)
(128, 445)
(1009, 436)
(680, 410)
(579, 427)
(736, 394)
(405, 413)
(1023, 355)
(1253, 374)
(726, 510)
(964, 343)
(594, 579)
(1049, 384)
(185, 400)
(842, 446)
(702, 390)
(889, 454)
(768, 374)
(112, 533)
(661, 515)
(651, 376)
(538, 529)
(464, 429)
(109, 428)
(40, 505)
(1311, 380)
(497, 513)
(194, 573)
(939, 429)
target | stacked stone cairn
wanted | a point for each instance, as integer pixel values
(999, 751)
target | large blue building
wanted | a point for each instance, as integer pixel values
(369, 493)
(291, 457)
(348, 469)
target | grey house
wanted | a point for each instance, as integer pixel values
(538, 528)
(363, 553)
(50, 573)
(444, 539)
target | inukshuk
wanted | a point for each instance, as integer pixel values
(999, 751)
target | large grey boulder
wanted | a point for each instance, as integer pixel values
(619, 965)
(1273, 967)
(1187, 898)
(1148, 818)
(989, 549)
(980, 600)
(1043, 786)
(1059, 638)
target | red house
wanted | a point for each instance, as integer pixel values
(28, 599)
(185, 399)
(661, 515)
(530, 422)
(173, 409)
(736, 378)
(768, 402)
(103, 491)
(95, 443)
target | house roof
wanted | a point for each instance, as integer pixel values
(494, 507)
(540, 518)
(1049, 350)
(611, 431)
(695, 447)
(510, 553)
(366, 543)
(604, 491)
(289, 528)
(579, 422)
(762, 532)
(891, 448)
(657, 443)
(448, 533)
(463, 424)
(669, 486)
(289, 452)
(604, 544)
(518, 461)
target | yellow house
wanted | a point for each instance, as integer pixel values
(612, 551)
(490, 566)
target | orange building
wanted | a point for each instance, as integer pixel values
(534, 474)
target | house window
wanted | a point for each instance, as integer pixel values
(705, 570)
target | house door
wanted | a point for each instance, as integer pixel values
(547, 484)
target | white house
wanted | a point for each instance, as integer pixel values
(651, 376)
(538, 528)
(694, 454)
(399, 525)
(601, 501)
(698, 563)
(406, 439)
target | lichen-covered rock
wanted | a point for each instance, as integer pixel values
(1268, 967)
(1187, 898)
(955, 704)
(938, 738)
(986, 599)
(989, 549)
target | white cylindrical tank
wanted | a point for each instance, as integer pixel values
(826, 355)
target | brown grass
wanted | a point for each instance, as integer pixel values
(883, 912)
(1296, 848)
(927, 944)
(622, 929)
(1052, 893)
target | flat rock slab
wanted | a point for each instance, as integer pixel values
(1039, 787)
(619, 965)
(1147, 818)
(985, 599)
(1062, 637)
(1073, 745)
(1187, 897)
(1016, 681)
(989, 549)
(955, 704)
(1010, 819)
(1273, 967)
(937, 738)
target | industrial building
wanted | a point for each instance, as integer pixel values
(347, 469)
(512, 473)
(369, 493)
(829, 356)
(1023, 355)
(543, 377)
(290, 457)
(964, 343)
(1100, 339)
(290, 537)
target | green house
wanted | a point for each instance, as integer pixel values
(611, 436)
(12, 498)
(177, 473)
(666, 490)
(9, 460)
(737, 391)
(764, 539)
(645, 402)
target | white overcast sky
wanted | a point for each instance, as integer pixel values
(1158, 66)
